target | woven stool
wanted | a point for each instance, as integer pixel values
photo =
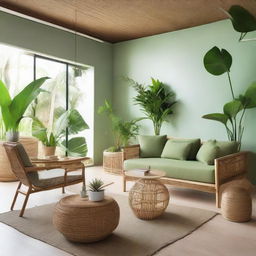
(236, 204)
(81, 220)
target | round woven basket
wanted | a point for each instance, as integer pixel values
(148, 198)
(31, 146)
(113, 162)
(81, 220)
(236, 204)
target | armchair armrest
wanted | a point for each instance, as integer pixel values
(41, 168)
(130, 152)
(230, 166)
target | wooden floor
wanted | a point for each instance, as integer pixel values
(217, 237)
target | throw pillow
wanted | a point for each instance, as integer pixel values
(176, 150)
(227, 147)
(208, 152)
(195, 145)
(151, 146)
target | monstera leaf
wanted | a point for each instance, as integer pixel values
(242, 20)
(217, 61)
(76, 146)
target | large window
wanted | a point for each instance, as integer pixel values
(69, 87)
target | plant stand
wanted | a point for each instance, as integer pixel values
(113, 161)
(31, 146)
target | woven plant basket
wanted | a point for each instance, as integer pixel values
(31, 146)
(113, 162)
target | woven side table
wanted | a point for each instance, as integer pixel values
(236, 204)
(81, 220)
(148, 198)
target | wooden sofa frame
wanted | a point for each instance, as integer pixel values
(227, 168)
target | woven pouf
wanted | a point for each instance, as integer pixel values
(81, 220)
(148, 198)
(236, 204)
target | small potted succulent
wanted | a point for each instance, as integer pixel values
(96, 191)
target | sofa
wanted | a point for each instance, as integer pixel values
(188, 163)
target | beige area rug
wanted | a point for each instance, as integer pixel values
(133, 237)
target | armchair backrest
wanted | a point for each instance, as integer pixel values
(19, 160)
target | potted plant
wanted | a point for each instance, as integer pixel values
(55, 135)
(156, 101)
(14, 109)
(96, 192)
(12, 112)
(122, 131)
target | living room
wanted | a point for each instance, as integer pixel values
(89, 65)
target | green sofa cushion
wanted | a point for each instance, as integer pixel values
(176, 150)
(208, 152)
(227, 147)
(177, 169)
(196, 143)
(151, 146)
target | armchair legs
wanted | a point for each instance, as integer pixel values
(25, 202)
(15, 196)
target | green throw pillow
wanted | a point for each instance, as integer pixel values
(151, 146)
(227, 147)
(176, 150)
(208, 152)
(195, 145)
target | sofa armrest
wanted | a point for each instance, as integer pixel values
(230, 166)
(130, 152)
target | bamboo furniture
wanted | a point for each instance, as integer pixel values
(27, 173)
(236, 204)
(31, 146)
(227, 168)
(81, 220)
(148, 197)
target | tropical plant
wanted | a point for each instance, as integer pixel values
(96, 185)
(122, 131)
(218, 62)
(70, 120)
(14, 109)
(242, 20)
(156, 101)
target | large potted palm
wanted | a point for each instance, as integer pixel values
(122, 132)
(12, 112)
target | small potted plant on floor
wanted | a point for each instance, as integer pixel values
(122, 133)
(96, 192)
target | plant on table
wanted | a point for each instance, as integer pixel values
(14, 109)
(55, 135)
(96, 192)
(156, 102)
(123, 131)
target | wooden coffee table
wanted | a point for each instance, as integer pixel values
(148, 198)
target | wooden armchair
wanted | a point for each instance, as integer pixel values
(27, 173)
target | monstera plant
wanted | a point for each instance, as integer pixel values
(217, 62)
(13, 109)
(65, 121)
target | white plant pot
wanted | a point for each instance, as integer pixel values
(12, 136)
(96, 195)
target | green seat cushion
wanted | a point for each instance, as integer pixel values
(208, 152)
(227, 147)
(196, 143)
(177, 169)
(176, 150)
(151, 146)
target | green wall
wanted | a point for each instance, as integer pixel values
(176, 58)
(43, 39)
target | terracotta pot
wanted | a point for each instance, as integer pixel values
(49, 151)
